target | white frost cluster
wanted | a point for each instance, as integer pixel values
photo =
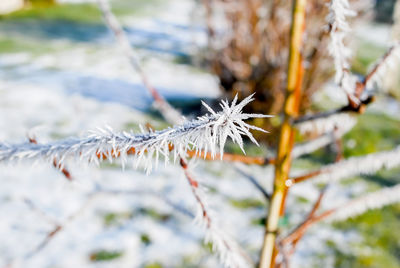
(340, 122)
(207, 133)
(375, 200)
(368, 164)
(339, 10)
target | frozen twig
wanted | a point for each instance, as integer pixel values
(358, 206)
(229, 251)
(378, 70)
(332, 129)
(166, 110)
(341, 123)
(339, 10)
(208, 133)
(360, 165)
(352, 208)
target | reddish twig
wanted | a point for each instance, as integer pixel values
(345, 109)
(299, 231)
(360, 88)
(58, 227)
(304, 177)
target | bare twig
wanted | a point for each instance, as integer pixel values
(254, 181)
(40, 212)
(57, 228)
(345, 109)
(299, 231)
(304, 177)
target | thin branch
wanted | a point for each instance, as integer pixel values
(230, 253)
(343, 110)
(299, 231)
(57, 228)
(360, 205)
(208, 133)
(333, 130)
(40, 212)
(339, 10)
(353, 208)
(358, 165)
(166, 110)
(360, 87)
(304, 177)
(254, 181)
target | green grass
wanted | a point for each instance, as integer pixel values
(247, 203)
(105, 255)
(380, 239)
(153, 265)
(83, 13)
(365, 55)
(373, 133)
(79, 13)
(12, 45)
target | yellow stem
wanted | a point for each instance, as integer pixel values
(286, 140)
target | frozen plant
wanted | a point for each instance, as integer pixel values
(207, 133)
(339, 10)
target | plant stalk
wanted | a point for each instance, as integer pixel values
(286, 139)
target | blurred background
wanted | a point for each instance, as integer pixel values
(62, 74)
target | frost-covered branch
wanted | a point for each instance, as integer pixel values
(386, 196)
(207, 133)
(56, 164)
(339, 10)
(229, 251)
(339, 123)
(166, 110)
(359, 165)
(358, 206)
